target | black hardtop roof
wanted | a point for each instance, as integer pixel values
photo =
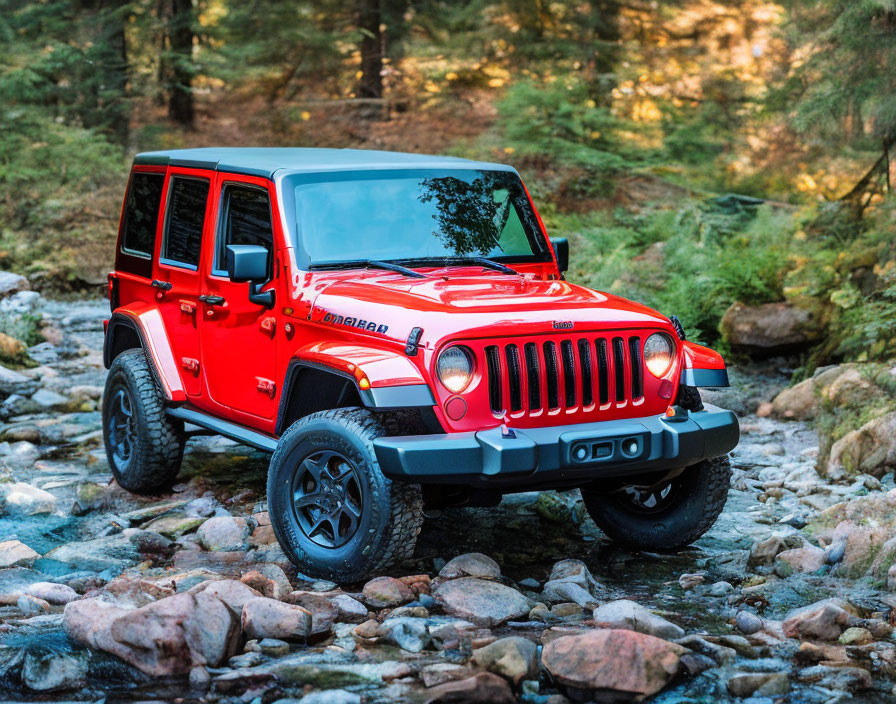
(266, 161)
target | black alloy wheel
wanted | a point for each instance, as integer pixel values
(327, 498)
(121, 429)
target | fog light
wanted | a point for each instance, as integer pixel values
(581, 453)
(630, 447)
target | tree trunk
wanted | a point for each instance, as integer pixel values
(605, 49)
(370, 18)
(176, 69)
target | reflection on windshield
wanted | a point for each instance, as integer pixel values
(414, 214)
(471, 215)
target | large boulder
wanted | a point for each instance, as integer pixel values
(18, 499)
(268, 618)
(869, 450)
(624, 662)
(768, 329)
(481, 601)
(796, 403)
(167, 637)
(223, 533)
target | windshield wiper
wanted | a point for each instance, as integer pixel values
(481, 261)
(372, 264)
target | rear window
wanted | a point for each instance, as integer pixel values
(141, 214)
(186, 217)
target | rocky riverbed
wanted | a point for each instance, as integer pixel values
(187, 597)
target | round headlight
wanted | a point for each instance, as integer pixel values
(658, 353)
(455, 369)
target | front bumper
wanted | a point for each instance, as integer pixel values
(560, 455)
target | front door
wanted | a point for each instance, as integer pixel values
(238, 337)
(176, 273)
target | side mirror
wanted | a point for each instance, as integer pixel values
(561, 249)
(249, 263)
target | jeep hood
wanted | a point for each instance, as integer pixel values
(457, 304)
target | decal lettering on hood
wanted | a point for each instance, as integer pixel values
(360, 323)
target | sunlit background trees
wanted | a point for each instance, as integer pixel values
(697, 152)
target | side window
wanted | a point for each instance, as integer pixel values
(246, 220)
(186, 216)
(141, 214)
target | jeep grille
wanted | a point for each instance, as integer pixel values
(565, 372)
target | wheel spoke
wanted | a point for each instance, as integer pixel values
(306, 500)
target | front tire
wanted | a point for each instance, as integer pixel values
(333, 511)
(144, 445)
(667, 517)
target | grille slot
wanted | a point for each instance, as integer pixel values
(634, 348)
(550, 363)
(603, 372)
(512, 353)
(533, 375)
(494, 379)
(569, 372)
(585, 366)
(619, 368)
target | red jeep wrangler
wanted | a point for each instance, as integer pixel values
(396, 330)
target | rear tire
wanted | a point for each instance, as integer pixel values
(668, 517)
(333, 511)
(144, 445)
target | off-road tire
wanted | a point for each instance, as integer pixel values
(392, 512)
(700, 493)
(158, 439)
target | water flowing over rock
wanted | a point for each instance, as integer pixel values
(622, 661)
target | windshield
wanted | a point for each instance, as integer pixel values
(407, 215)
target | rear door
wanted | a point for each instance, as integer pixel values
(177, 279)
(238, 337)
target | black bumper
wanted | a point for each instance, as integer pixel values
(561, 455)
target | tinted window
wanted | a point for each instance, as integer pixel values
(141, 213)
(186, 215)
(247, 220)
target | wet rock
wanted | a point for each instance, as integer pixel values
(484, 688)
(223, 533)
(18, 499)
(323, 612)
(768, 329)
(441, 672)
(805, 559)
(12, 382)
(348, 609)
(11, 283)
(409, 634)
(690, 581)
(175, 525)
(58, 594)
(14, 553)
(331, 696)
(47, 399)
(856, 636)
(264, 585)
(268, 618)
(483, 602)
(847, 679)
(514, 658)
(110, 552)
(32, 606)
(53, 671)
(167, 637)
(721, 589)
(824, 620)
(796, 403)
(274, 647)
(747, 622)
(759, 684)
(622, 661)
(385, 592)
(763, 552)
(472, 564)
(632, 616)
(234, 594)
(869, 450)
(200, 678)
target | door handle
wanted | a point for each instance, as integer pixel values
(163, 285)
(213, 300)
